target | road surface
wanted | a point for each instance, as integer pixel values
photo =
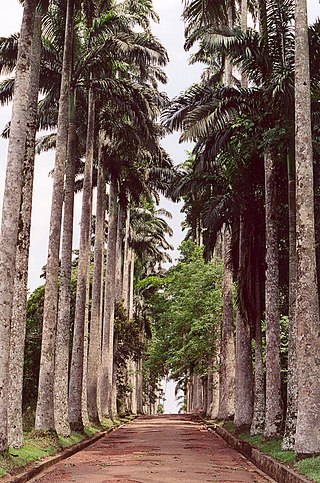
(157, 449)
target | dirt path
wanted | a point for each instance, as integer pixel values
(158, 449)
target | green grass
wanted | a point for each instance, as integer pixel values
(310, 467)
(74, 438)
(36, 446)
(39, 445)
(271, 447)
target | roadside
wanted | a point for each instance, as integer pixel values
(266, 453)
(45, 448)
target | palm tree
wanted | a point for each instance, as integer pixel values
(11, 203)
(76, 367)
(307, 309)
(18, 321)
(97, 290)
(45, 403)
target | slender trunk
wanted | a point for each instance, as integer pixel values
(114, 408)
(96, 311)
(126, 264)
(61, 369)
(18, 322)
(274, 418)
(120, 254)
(11, 204)
(76, 368)
(228, 78)
(139, 380)
(244, 373)
(84, 397)
(215, 390)
(45, 404)
(292, 389)
(259, 404)
(227, 354)
(307, 308)
(132, 365)
(244, 26)
(108, 319)
(209, 392)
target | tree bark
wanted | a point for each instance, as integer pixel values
(307, 308)
(215, 390)
(97, 290)
(259, 404)
(120, 252)
(132, 363)
(227, 353)
(126, 264)
(76, 368)
(243, 369)
(84, 398)
(274, 417)
(11, 204)
(18, 321)
(61, 366)
(292, 389)
(45, 404)
(109, 301)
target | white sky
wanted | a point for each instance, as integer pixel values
(181, 75)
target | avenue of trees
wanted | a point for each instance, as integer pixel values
(236, 320)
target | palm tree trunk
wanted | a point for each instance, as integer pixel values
(84, 397)
(209, 391)
(244, 26)
(274, 417)
(109, 301)
(292, 389)
(243, 370)
(132, 363)
(76, 368)
(18, 321)
(96, 311)
(215, 390)
(259, 404)
(45, 404)
(120, 252)
(227, 353)
(307, 308)
(11, 204)
(126, 264)
(114, 408)
(61, 369)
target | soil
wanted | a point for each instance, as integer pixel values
(158, 449)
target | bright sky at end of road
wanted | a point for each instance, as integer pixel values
(180, 74)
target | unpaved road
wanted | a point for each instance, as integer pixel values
(157, 449)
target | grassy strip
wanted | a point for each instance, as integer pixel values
(39, 445)
(309, 467)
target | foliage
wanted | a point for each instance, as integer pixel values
(187, 312)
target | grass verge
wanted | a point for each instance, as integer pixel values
(309, 467)
(39, 445)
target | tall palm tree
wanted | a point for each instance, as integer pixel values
(307, 309)
(45, 402)
(97, 291)
(18, 321)
(11, 203)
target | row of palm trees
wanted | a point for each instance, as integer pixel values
(97, 66)
(250, 119)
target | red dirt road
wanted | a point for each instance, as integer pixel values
(157, 449)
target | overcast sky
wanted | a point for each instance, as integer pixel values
(181, 75)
